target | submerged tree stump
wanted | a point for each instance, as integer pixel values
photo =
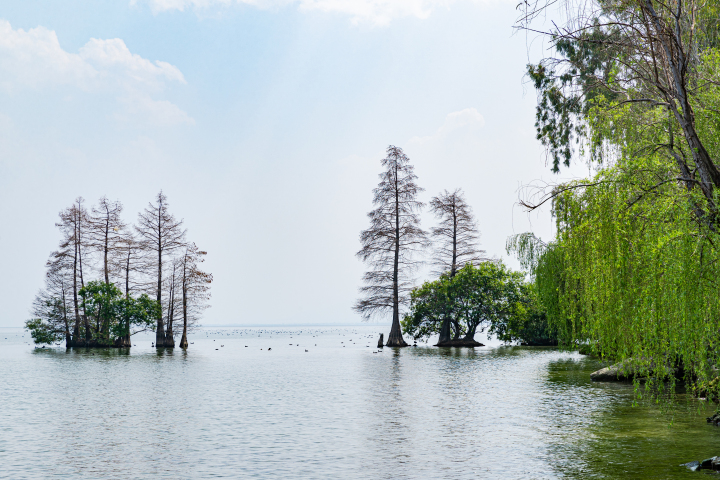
(380, 342)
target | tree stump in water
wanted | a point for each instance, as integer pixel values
(380, 342)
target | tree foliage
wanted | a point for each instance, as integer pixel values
(634, 265)
(111, 315)
(484, 297)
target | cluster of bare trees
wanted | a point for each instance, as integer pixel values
(393, 243)
(109, 280)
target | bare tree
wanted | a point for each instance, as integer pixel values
(161, 234)
(390, 243)
(53, 304)
(72, 224)
(172, 283)
(195, 288)
(456, 235)
(129, 263)
(456, 240)
(106, 231)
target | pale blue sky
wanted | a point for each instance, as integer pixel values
(264, 123)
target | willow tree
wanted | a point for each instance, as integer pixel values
(455, 239)
(646, 61)
(391, 242)
(160, 233)
(634, 266)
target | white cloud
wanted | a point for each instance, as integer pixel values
(113, 58)
(35, 59)
(377, 12)
(160, 112)
(468, 118)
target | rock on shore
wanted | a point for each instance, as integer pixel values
(712, 463)
(623, 371)
(613, 373)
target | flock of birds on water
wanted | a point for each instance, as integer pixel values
(357, 337)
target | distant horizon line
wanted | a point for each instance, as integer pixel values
(216, 325)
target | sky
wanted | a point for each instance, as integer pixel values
(264, 123)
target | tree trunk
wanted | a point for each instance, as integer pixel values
(105, 259)
(88, 333)
(453, 267)
(68, 338)
(127, 275)
(76, 328)
(183, 340)
(395, 339)
(445, 334)
(456, 333)
(160, 331)
(470, 335)
(169, 334)
(677, 65)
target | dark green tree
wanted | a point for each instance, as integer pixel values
(487, 297)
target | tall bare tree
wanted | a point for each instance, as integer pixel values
(389, 245)
(73, 225)
(456, 236)
(161, 234)
(195, 285)
(105, 231)
(456, 240)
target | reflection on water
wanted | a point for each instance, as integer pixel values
(229, 407)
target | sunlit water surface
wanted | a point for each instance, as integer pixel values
(322, 404)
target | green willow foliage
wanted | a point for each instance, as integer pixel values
(632, 269)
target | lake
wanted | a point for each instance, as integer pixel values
(319, 402)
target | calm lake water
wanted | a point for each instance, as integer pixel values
(229, 407)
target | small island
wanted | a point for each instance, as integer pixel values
(108, 280)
